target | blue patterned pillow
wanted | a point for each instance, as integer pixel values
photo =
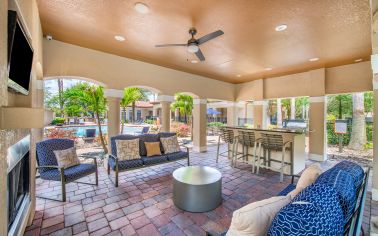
(314, 211)
(354, 170)
(343, 183)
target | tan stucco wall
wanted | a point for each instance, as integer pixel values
(62, 59)
(253, 90)
(349, 78)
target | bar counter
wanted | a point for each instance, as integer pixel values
(297, 137)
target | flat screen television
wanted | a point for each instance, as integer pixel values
(20, 56)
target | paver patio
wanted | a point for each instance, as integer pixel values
(142, 204)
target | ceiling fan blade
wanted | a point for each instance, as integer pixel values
(171, 45)
(200, 55)
(210, 36)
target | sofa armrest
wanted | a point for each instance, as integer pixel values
(112, 156)
(186, 147)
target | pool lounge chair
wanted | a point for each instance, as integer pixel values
(143, 131)
(90, 135)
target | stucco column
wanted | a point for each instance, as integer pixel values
(260, 114)
(113, 97)
(292, 108)
(279, 113)
(199, 125)
(317, 126)
(165, 102)
(374, 65)
(232, 114)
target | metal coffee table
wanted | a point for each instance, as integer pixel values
(197, 188)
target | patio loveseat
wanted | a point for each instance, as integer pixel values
(118, 166)
(332, 205)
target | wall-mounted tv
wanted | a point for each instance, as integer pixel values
(20, 56)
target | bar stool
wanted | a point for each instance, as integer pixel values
(247, 140)
(228, 136)
(274, 142)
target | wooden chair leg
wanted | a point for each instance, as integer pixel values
(63, 191)
(108, 169)
(96, 177)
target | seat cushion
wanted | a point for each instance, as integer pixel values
(287, 190)
(343, 183)
(127, 164)
(71, 173)
(255, 218)
(314, 211)
(154, 160)
(354, 170)
(176, 156)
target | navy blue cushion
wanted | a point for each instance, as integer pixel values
(71, 173)
(343, 183)
(146, 138)
(176, 156)
(45, 151)
(154, 160)
(287, 190)
(127, 164)
(119, 137)
(314, 211)
(354, 170)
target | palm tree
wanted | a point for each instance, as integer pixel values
(93, 96)
(184, 103)
(130, 96)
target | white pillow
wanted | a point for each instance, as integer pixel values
(67, 157)
(307, 178)
(127, 149)
(254, 219)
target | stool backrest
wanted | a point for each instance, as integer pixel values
(247, 138)
(227, 135)
(272, 141)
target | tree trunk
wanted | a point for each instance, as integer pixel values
(279, 113)
(358, 136)
(100, 132)
(133, 116)
(292, 109)
(123, 120)
(60, 94)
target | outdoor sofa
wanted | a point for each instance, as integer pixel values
(119, 166)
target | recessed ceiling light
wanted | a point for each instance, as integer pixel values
(194, 61)
(141, 8)
(268, 68)
(239, 76)
(358, 60)
(119, 38)
(281, 27)
(314, 59)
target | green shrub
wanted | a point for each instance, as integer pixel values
(150, 122)
(333, 138)
(215, 124)
(58, 121)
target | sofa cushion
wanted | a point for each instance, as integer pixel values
(165, 135)
(314, 211)
(154, 160)
(354, 170)
(254, 219)
(127, 164)
(146, 138)
(343, 183)
(176, 156)
(71, 173)
(307, 178)
(119, 137)
(170, 144)
(153, 148)
(128, 149)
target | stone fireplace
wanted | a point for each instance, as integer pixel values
(18, 185)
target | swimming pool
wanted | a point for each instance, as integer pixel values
(80, 130)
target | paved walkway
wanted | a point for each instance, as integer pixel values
(142, 204)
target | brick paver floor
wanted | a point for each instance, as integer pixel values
(142, 204)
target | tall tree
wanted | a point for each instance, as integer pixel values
(279, 113)
(60, 96)
(292, 108)
(130, 97)
(184, 103)
(358, 136)
(340, 105)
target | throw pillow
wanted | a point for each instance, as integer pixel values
(67, 157)
(170, 144)
(127, 149)
(307, 178)
(153, 148)
(254, 219)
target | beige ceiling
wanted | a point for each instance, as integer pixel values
(336, 31)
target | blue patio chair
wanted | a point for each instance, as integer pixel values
(90, 135)
(49, 169)
(144, 130)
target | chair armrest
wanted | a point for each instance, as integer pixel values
(89, 157)
(112, 156)
(54, 167)
(186, 147)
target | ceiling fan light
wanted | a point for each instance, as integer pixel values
(193, 48)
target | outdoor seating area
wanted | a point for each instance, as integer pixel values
(213, 118)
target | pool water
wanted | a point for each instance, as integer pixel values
(80, 130)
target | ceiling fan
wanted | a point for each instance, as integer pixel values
(193, 44)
